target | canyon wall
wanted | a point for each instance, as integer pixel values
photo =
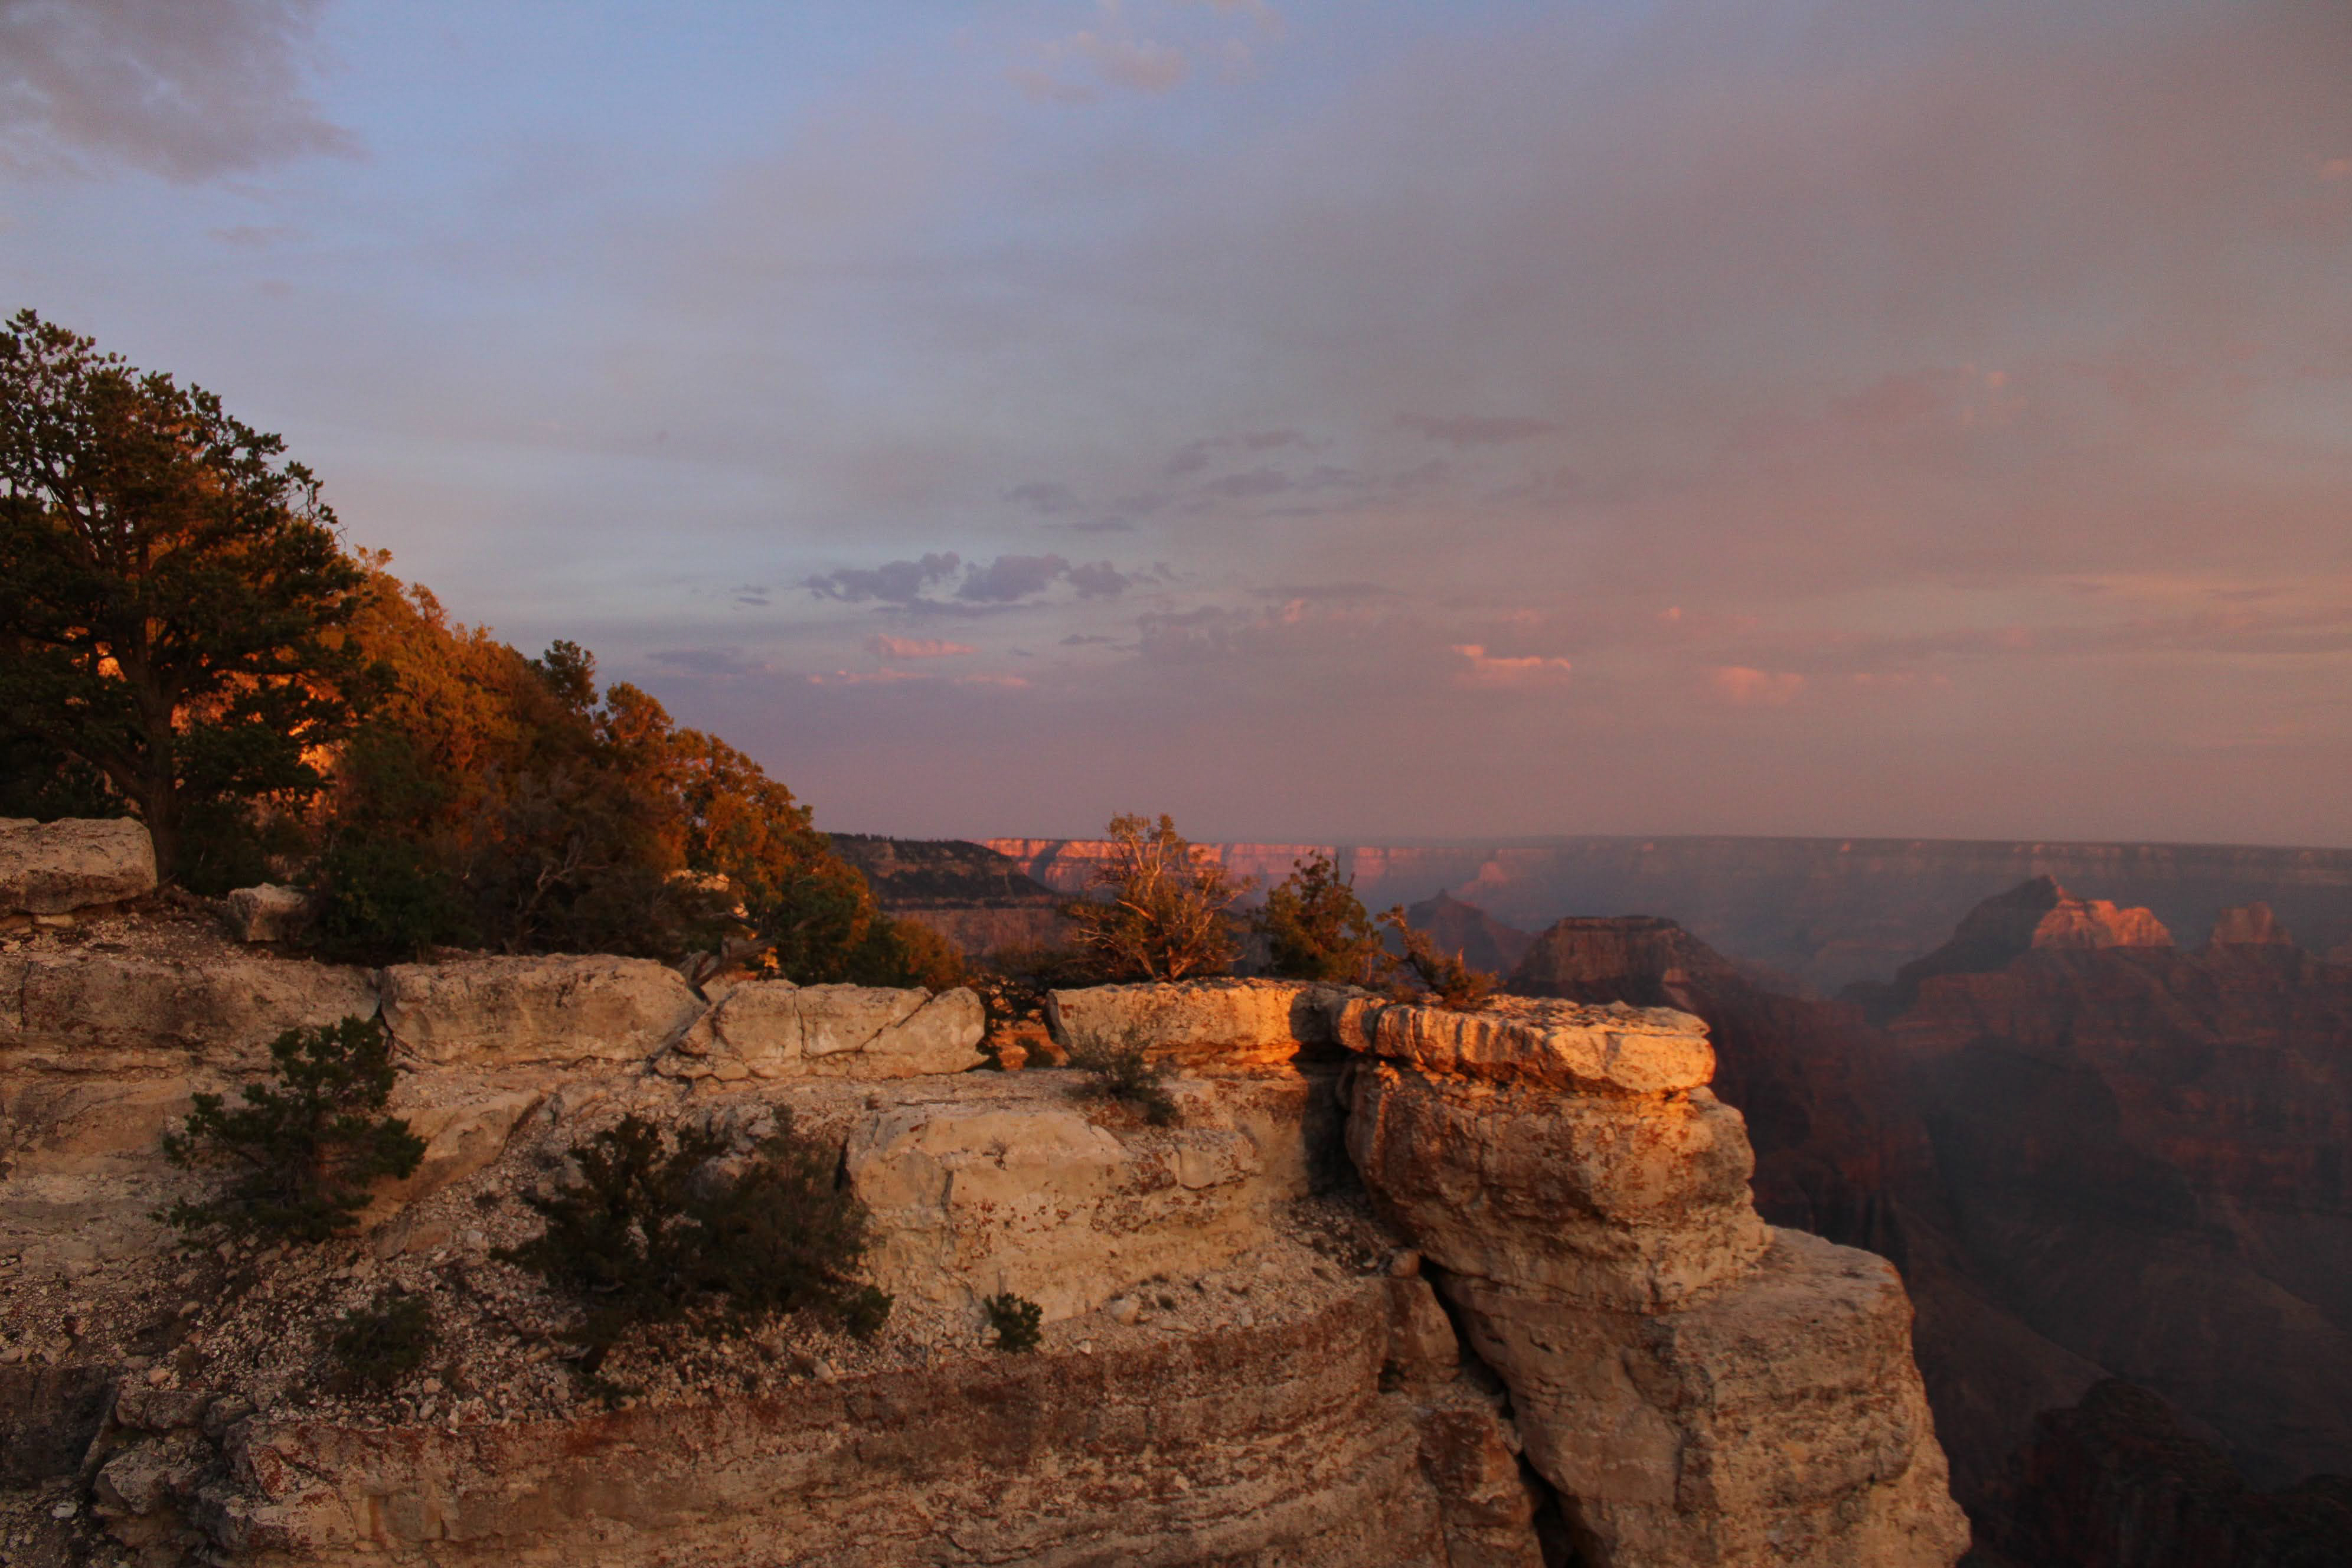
(1825, 910)
(1327, 1315)
(2092, 1155)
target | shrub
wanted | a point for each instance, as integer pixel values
(1449, 982)
(656, 1233)
(1162, 909)
(376, 1346)
(1316, 928)
(1016, 1322)
(307, 1148)
(382, 900)
(1011, 983)
(1124, 1073)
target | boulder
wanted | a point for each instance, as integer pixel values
(225, 1008)
(270, 912)
(974, 1199)
(491, 1012)
(774, 1029)
(56, 868)
(1197, 1021)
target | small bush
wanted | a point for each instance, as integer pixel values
(376, 1346)
(1016, 1322)
(1449, 982)
(1124, 1073)
(654, 1233)
(308, 1148)
(1011, 983)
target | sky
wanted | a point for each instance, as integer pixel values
(1320, 419)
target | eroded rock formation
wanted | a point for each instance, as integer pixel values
(1240, 1364)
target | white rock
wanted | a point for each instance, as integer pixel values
(268, 912)
(773, 1028)
(510, 1011)
(56, 868)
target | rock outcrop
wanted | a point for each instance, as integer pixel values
(1697, 1390)
(773, 1028)
(1480, 939)
(80, 1007)
(56, 868)
(2037, 916)
(501, 1011)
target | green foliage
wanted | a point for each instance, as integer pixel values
(508, 801)
(1448, 981)
(1316, 928)
(660, 1233)
(1016, 1322)
(306, 1149)
(1162, 909)
(377, 1346)
(1124, 1072)
(382, 900)
(173, 599)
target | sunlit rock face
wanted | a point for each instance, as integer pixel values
(1697, 1389)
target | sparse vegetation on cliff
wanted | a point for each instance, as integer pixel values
(1446, 980)
(1124, 1072)
(305, 1149)
(1162, 909)
(1015, 1321)
(687, 1232)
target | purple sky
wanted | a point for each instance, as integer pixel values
(1324, 421)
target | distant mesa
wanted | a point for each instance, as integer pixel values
(2248, 925)
(1641, 960)
(2036, 916)
(976, 897)
(1483, 941)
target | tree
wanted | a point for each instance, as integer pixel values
(1164, 908)
(1317, 928)
(306, 1149)
(172, 596)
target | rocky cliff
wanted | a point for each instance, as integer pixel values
(1332, 1315)
(2090, 1155)
(1827, 911)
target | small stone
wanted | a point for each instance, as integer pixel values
(827, 1372)
(1126, 1310)
(1405, 1265)
(1086, 1347)
(65, 1510)
(432, 1385)
(157, 1376)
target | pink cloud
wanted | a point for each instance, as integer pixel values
(864, 677)
(889, 647)
(1491, 669)
(1755, 687)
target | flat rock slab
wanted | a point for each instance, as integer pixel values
(774, 1029)
(1200, 1022)
(513, 1011)
(56, 868)
(226, 1009)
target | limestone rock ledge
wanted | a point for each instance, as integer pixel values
(56, 868)
(1700, 1389)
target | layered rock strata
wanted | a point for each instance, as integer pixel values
(56, 868)
(1698, 1388)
